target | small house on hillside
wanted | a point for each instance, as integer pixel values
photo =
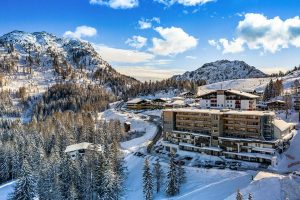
(77, 150)
(158, 103)
(276, 105)
(139, 104)
(282, 128)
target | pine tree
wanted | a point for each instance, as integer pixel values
(65, 177)
(172, 180)
(181, 174)
(250, 196)
(239, 195)
(158, 175)
(25, 186)
(147, 181)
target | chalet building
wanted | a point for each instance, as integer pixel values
(145, 104)
(232, 99)
(139, 104)
(187, 94)
(297, 102)
(77, 150)
(242, 135)
(276, 105)
(159, 102)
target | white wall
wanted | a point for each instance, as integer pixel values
(220, 101)
(244, 104)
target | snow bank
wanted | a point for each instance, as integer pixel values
(210, 184)
(6, 189)
(290, 160)
(272, 187)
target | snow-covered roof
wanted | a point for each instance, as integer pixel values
(245, 94)
(237, 92)
(224, 111)
(78, 146)
(136, 100)
(282, 125)
(185, 93)
(276, 101)
(177, 98)
(177, 102)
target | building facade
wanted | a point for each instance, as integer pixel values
(243, 135)
(231, 99)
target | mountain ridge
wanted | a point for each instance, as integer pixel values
(68, 59)
(221, 70)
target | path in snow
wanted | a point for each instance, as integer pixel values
(6, 189)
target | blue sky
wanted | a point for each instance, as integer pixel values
(157, 38)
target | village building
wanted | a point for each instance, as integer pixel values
(80, 149)
(297, 103)
(187, 94)
(234, 134)
(232, 99)
(276, 105)
(139, 104)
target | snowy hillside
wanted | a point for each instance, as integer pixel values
(257, 84)
(221, 70)
(41, 59)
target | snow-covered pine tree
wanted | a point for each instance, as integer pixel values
(158, 175)
(172, 180)
(118, 166)
(4, 163)
(250, 197)
(181, 174)
(239, 195)
(25, 185)
(266, 95)
(100, 174)
(65, 176)
(147, 181)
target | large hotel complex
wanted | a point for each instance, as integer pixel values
(236, 133)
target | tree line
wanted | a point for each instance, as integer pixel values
(154, 179)
(33, 154)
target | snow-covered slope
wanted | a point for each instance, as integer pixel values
(257, 84)
(221, 70)
(42, 59)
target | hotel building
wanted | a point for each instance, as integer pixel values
(231, 99)
(243, 135)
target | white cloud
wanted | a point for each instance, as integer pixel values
(81, 31)
(174, 41)
(185, 2)
(123, 55)
(256, 31)
(234, 46)
(146, 73)
(117, 4)
(191, 57)
(137, 41)
(147, 23)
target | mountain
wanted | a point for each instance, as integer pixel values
(45, 57)
(221, 70)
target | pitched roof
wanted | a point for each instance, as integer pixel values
(281, 124)
(78, 146)
(237, 92)
(136, 100)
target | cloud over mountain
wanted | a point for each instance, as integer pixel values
(256, 31)
(81, 31)
(174, 41)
